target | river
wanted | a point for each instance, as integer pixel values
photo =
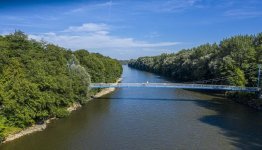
(150, 118)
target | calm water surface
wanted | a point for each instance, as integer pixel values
(150, 118)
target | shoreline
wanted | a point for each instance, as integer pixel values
(41, 127)
(106, 90)
(252, 103)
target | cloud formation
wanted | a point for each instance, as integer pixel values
(170, 5)
(243, 13)
(178, 5)
(85, 7)
(88, 27)
(95, 36)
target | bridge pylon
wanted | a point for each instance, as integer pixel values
(260, 95)
(258, 81)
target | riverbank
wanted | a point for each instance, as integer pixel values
(103, 92)
(106, 91)
(253, 103)
(41, 127)
(249, 99)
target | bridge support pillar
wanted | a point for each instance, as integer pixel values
(260, 95)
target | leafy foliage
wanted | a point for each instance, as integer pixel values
(40, 80)
(235, 58)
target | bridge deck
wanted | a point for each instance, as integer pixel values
(174, 85)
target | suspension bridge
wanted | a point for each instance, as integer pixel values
(175, 86)
(197, 85)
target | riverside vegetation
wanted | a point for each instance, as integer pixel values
(234, 58)
(39, 81)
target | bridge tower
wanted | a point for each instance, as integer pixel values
(258, 81)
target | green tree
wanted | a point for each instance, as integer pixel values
(40, 80)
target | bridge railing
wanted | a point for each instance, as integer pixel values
(174, 85)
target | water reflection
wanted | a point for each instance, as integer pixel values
(150, 118)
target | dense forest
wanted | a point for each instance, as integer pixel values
(40, 80)
(234, 61)
(124, 62)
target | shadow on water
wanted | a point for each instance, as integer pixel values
(151, 119)
(240, 124)
(236, 122)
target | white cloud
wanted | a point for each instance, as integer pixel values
(84, 7)
(170, 5)
(242, 13)
(88, 27)
(97, 41)
(96, 37)
(177, 5)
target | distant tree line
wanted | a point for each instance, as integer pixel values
(40, 80)
(124, 62)
(232, 62)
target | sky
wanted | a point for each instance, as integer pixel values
(125, 29)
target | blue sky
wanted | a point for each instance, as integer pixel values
(128, 29)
